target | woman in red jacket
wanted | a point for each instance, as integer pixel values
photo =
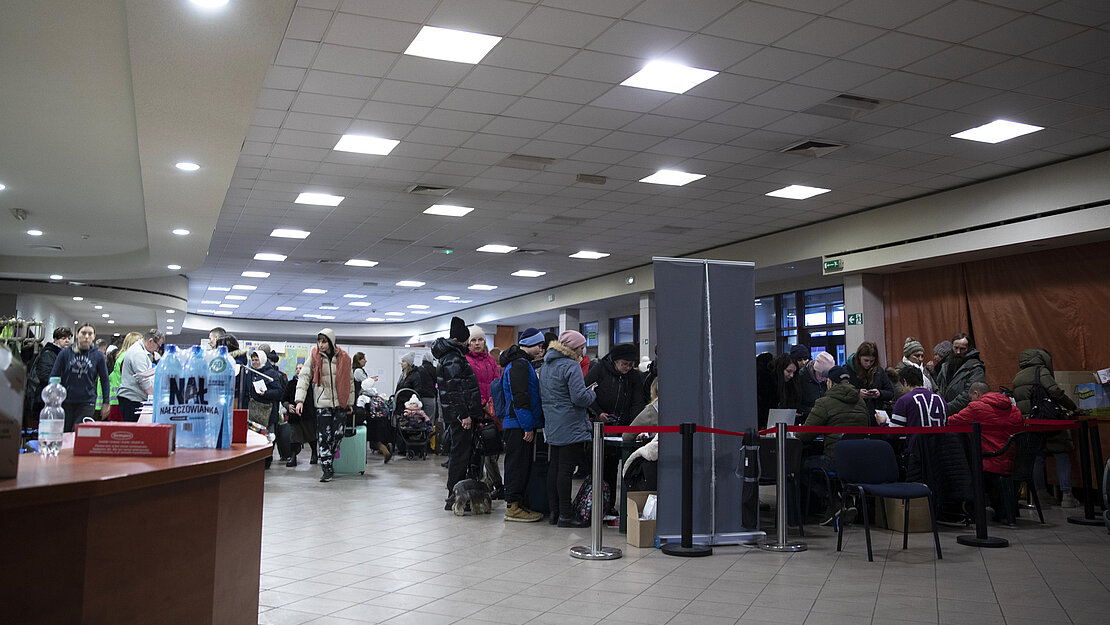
(486, 370)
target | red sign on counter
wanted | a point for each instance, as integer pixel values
(117, 438)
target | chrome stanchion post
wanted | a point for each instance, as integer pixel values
(597, 508)
(781, 543)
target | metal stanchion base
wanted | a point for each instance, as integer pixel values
(1082, 520)
(989, 542)
(783, 547)
(604, 553)
(693, 551)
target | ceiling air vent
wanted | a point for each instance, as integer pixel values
(812, 148)
(425, 189)
(329, 261)
(523, 161)
(369, 284)
(533, 252)
(445, 268)
(591, 179)
(47, 248)
(672, 230)
(559, 220)
(845, 106)
(391, 241)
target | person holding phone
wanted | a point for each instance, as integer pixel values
(867, 375)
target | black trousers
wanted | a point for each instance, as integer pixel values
(518, 464)
(564, 458)
(129, 410)
(75, 413)
(462, 452)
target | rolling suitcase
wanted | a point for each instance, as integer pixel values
(352, 451)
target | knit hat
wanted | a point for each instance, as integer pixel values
(912, 346)
(459, 332)
(264, 348)
(624, 351)
(821, 365)
(943, 348)
(530, 337)
(414, 403)
(409, 357)
(572, 339)
(476, 332)
(799, 352)
(838, 374)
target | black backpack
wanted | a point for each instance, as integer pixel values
(1041, 405)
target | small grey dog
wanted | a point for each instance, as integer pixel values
(472, 494)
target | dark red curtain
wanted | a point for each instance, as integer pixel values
(929, 305)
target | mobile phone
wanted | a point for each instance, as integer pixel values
(592, 386)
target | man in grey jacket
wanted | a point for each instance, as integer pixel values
(135, 388)
(962, 369)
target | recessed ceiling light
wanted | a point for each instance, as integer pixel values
(394, 314)
(78, 298)
(446, 44)
(410, 283)
(528, 273)
(286, 308)
(209, 4)
(35, 233)
(589, 255)
(354, 295)
(206, 311)
(173, 267)
(672, 177)
(3, 186)
(358, 262)
(446, 298)
(481, 287)
(181, 232)
(374, 319)
(311, 315)
(315, 291)
(461, 301)
(269, 256)
(493, 248)
(229, 305)
(99, 307)
(223, 312)
(797, 192)
(111, 321)
(218, 288)
(670, 77)
(319, 199)
(288, 233)
(329, 308)
(170, 311)
(449, 211)
(56, 276)
(364, 144)
(236, 297)
(997, 131)
(358, 303)
(210, 301)
(115, 334)
(186, 165)
(325, 317)
(418, 306)
(170, 328)
(105, 315)
(243, 287)
(255, 274)
(170, 321)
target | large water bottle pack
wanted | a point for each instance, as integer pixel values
(195, 391)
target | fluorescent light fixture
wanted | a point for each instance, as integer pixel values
(448, 211)
(34, 232)
(236, 297)
(418, 306)
(111, 321)
(797, 192)
(364, 144)
(461, 301)
(56, 276)
(223, 312)
(170, 328)
(672, 177)
(78, 298)
(394, 314)
(173, 267)
(218, 288)
(99, 307)
(446, 298)
(528, 273)
(105, 315)
(374, 319)
(319, 199)
(421, 312)
(358, 262)
(997, 131)
(670, 77)
(277, 258)
(255, 274)
(315, 291)
(493, 248)
(170, 310)
(186, 165)
(410, 283)
(446, 44)
(589, 255)
(243, 287)
(206, 311)
(329, 308)
(181, 232)
(170, 321)
(289, 233)
(481, 287)
(229, 305)
(3, 186)
(210, 301)
(358, 303)
(209, 4)
(354, 295)
(325, 317)
(285, 308)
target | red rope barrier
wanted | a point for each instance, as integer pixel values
(1029, 425)
(624, 429)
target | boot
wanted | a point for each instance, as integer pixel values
(385, 453)
(315, 458)
(517, 512)
(1067, 500)
(293, 451)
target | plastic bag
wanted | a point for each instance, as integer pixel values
(649, 508)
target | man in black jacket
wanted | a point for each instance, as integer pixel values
(460, 400)
(40, 373)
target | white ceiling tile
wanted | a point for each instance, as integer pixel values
(632, 99)
(348, 60)
(433, 71)
(960, 20)
(600, 67)
(345, 85)
(480, 157)
(439, 136)
(1089, 13)
(709, 131)
(275, 99)
(686, 16)
(550, 149)
(255, 148)
(838, 75)
(777, 64)
(597, 117)
(327, 5)
(262, 133)
(400, 92)
(1012, 74)
(642, 41)
(899, 115)
(307, 139)
(758, 23)
(565, 89)
(895, 50)
(731, 87)
(1025, 34)
(501, 80)
(516, 127)
(377, 34)
(883, 13)
(388, 111)
(281, 77)
(458, 120)
(952, 95)
(955, 62)
(559, 27)
(828, 37)
(1076, 51)
(408, 11)
(680, 147)
(527, 55)
(802, 123)
(792, 97)
(602, 155)
(338, 169)
(531, 108)
(295, 53)
(690, 107)
(316, 123)
(659, 125)
(326, 105)
(1067, 84)
(708, 52)
(489, 17)
(477, 101)
(898, 86)
(750, 116)
(574, 134)
(308, 24)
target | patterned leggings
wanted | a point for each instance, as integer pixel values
(329, 430)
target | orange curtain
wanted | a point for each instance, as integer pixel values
(928, 304)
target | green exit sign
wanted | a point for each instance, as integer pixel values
(855, 319)
(834, 265)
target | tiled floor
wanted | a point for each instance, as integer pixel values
(380, 548)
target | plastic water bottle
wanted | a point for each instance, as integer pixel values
(52, 418)
(168, 369)
(201, 409)
(221, 391)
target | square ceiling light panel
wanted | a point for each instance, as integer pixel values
(494, 248)
(528, 273)
(411, 283)
(481, 287)
(359, 262)
(365, 144)
(319, 199)
(255, 274)
(446, 298)
(672, 177)
(797, 192)
(670, 77)
(997, 131)
(589, 255)
(446, 44)
(448, 211)
(277, 258)
(288, 233)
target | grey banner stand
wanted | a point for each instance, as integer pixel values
(597, 508)
(781, 544)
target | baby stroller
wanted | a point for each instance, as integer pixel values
(412, 434)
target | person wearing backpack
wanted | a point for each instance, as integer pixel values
(1038, 396)
(516, 400)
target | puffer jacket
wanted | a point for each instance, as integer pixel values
(564, 397)
(1055, 442)
(619, 395)
(992, 409)
(809, 390)
(485, 369)
(957, 383)
(427, 387)
(840, 407)
(459, 395)
(324, 395)
(274, 388)
(520, 382)
(411, 381)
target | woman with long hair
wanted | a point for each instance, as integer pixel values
(870, 378)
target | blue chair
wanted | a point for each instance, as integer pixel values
(869, 467)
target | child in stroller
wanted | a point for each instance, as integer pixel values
(414, 429)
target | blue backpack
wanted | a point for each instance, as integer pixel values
(499, 396)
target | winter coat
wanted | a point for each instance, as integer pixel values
(766, 395)
(325, 392)
(809, 390)
(564, 397)
(132, 362)
(958, 380)
(274, 388)
(880, 382)
(411, 381)
(80, 371)
(427, 387)
(992, 409)
(927, 378)
(241, 396)
(1055, 442)
(521, 385)
(43, 366)
(308, 411)
(941, 462)
(617, 394)
(485, 369)
(648, 417)
(840, 407)
(459, 395)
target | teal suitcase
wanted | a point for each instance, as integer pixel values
(352, 453)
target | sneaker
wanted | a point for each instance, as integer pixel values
(328, 474)
(517, 512)
(292, 462)
(1067, 500)
(449, 503)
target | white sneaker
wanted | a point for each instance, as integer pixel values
(1067, 500)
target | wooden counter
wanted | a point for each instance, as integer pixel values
(133, 540)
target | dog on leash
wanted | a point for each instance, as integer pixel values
(473, 495)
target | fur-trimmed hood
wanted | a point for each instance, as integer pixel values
(562, 349)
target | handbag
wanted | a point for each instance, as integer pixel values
(487, 439)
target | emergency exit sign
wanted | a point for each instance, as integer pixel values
(855, 319)
(834, 265)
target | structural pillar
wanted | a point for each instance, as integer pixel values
(568, 319)
(863, 295)
(647, 325)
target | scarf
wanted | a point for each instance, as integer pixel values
(342, 373)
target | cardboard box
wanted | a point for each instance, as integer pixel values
(895, 515)
(1068, 380)
(640, 533)
(118, 438)
(1094, 398)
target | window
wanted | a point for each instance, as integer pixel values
(625, 329)
(589, 330)
(814, 318)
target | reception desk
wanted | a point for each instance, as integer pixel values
(172, 540)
